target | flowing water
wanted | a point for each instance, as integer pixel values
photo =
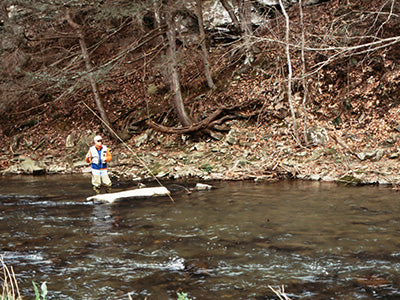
(319, 240)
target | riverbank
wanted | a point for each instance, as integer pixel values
(350, 113)
(246, 152)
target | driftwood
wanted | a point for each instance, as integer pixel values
(138, 193)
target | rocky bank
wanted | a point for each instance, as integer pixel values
(246, 152)
(350, 121)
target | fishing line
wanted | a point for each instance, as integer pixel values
(127, 146)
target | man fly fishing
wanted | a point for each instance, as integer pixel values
(98, 156)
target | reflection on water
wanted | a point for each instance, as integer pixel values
(322, 241)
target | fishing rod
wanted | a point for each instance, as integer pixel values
(127, 146)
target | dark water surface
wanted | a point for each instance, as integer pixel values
(320, 240)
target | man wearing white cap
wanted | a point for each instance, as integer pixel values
(98, 156)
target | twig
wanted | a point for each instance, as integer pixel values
(9, 288)
(280, 293)
(233, 168)
(387, 19)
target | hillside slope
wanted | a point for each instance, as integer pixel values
(353, 80)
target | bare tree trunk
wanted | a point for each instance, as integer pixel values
(304, 79)
(204, 50)
(183, 116)
(157, 6)
(246, 28)
(289, 90)
(231, 13)
(89, 70)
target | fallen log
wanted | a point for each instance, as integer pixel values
(208, 123)
(188, 129)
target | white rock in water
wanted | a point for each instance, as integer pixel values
(202, 187)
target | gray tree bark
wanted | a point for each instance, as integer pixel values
(228, 7)
(303, 71)
(175, 85)
(246, 29)
(199, 10)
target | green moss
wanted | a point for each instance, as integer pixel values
(155, 168)
(206, 168)
(350, 179)
(152, 89)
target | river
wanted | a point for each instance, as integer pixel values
(319, 240)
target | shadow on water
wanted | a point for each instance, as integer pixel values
(322, 241)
